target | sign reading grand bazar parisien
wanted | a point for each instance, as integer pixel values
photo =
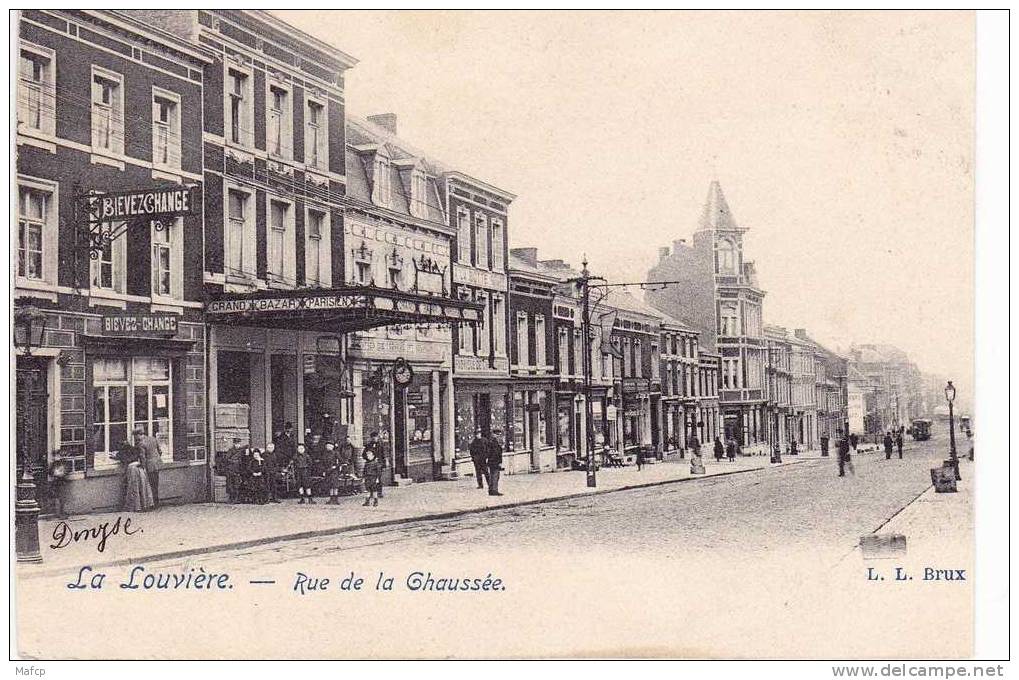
(376, 300)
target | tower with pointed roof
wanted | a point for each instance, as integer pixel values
(718, 294)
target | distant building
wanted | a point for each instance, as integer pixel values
(720, 298)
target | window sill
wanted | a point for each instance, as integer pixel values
(39, 288)
(37, 138)
(168, 173)
(105, 157)
(118, 468)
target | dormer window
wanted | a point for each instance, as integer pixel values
(382, 186)
(418, 194)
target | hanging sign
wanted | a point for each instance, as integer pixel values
(171, 201)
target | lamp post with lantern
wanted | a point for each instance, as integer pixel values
(29, 329)
(953, 455)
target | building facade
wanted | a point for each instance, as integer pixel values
(718, 294)
(532, 433)
(109, 245)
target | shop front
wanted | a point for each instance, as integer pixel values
(414, 421)
(98, 378)
(335, 379)
(484, 405)
(532, 435)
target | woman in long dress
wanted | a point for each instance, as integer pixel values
(137, 490)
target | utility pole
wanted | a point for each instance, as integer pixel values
(583, 283)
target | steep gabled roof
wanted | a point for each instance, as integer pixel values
(717, 215)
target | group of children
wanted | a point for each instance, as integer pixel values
(257, 476)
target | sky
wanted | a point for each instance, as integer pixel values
(842, 140)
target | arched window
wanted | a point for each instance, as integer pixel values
(726, 257)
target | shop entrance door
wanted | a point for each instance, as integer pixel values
(32, 422)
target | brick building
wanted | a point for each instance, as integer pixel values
(721, 298)
(109, 245)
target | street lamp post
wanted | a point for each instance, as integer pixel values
(29, 328)
(953, 455)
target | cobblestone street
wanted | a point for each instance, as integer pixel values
(771, 550)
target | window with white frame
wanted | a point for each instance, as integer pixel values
(480, 241)
(316, 135)
(37, 213)
(280, 251)
(498, 326)
(165, 128)
(129, 393)
(596, 365)
(483, 345)
(167, 258)
(627, 358)
(638, 360)
(317, 249)
(240, 234)
(37, 89)
(279, 121)
(728, 319)
(463, 235)
(108, 269)
(539, 341)
(497, 249)
(523, 350)
(578, 352)
(382, 184)
(655, 365)
(107, 111)
(239, 99)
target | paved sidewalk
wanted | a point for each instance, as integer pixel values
(190, 529)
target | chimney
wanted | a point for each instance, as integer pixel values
(801, 333)
(387, 121)
(677, 244)
(663, 253)
(528, 255)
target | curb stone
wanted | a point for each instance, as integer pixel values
(430, 517)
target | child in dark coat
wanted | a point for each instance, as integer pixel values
(372, 477)
(302, 473)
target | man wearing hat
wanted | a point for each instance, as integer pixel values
(151, 458)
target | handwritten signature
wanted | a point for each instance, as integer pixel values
(64, 535)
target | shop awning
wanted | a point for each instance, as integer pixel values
(350, 308)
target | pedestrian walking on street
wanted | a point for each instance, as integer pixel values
(640, 458)
(479, 456)
(695, 446)
(719, 449)
(888, 445)
(302, 473)
(824, 445)
(494, 462)
(730, 450)
(286, 446)
(853, 441)
(372, 477)
(151, 458)
(334, 467)
(898, 443)
(845, 460)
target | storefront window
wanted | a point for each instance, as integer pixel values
(519, 421)
(419, 419)
(127, 393)
(597, 422)
(543, 437)
(465, 423)
(375, 406)
(499, 413)
(565, 427)
(631, 432)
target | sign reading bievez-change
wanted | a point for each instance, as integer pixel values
(172, 201)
